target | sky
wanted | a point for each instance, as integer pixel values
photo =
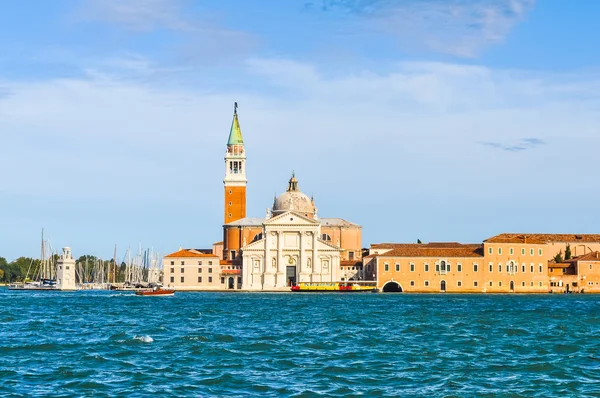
(438, 120)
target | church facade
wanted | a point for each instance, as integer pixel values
(290, 244)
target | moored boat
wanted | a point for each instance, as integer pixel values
(157, 292)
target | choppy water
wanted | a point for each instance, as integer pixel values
(218, 344)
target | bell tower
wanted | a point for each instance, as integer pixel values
(235, 173)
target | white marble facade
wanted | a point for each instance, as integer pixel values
(288, 251)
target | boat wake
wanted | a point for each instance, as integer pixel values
(144, 339)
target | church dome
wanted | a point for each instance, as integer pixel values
(294, 200)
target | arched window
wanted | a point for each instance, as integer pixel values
(326, 237)
(443, 266)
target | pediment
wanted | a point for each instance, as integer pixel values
(256, 245)
(292, 218)
(327, 246)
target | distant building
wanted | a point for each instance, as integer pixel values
(190, 269)
(505, 263)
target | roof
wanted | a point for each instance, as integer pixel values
(337, 222)
(218, 243)
(439, 249)
(592, 256)
(516, 238)
(248, 222)
(350, 263)
(235, 133)
(549, 238)
(325, 222)
(189, 253)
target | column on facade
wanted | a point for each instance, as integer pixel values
(317, 270)
(279, 258)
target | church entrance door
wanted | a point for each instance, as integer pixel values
(290, 275)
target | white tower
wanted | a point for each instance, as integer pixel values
(65, 275)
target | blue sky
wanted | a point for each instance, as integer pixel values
(439, 120)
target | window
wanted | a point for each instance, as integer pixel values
(523, 268)
(511, 251)
(222, 280)
(199, 279)
(412, 283)
(540, 284)
(230, 191)
(523, 251)
(508, 268)
(540, 267)
(475, 283)
(182, 262)
(426, 267)
(531, 284)
(499, 283)
(199, 262)
(210, 263)
(459, 267)
(182, 279)
(426, 283)
(412, 267)
(326, 237)
(523, 284)
(437, 267)
(172, 262)
(172, 279)
(531, 252)
(499, 250)
(590, 266)
(351, 255)
(475, 267)
(233, 254)
(210, 272)
(540, 252)
(229, 214)
(491, 283)
(397, 267)
(459, 283)
(182, 270)
(172, 270)
(199, 270)
(442, 267)
(386, 267)
(491, 267)
(499, 267)
(531, 268)
(491, 250)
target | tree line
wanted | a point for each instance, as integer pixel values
(24, 268)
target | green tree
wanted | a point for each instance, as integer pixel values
(1, 275)
(568, 252)
(559, 257)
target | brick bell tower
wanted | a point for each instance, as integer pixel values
(235, 173)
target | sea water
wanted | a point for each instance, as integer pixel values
(237, 344)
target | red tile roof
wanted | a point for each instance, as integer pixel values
(588, 238)
(438, 249)
(516, 238)
(189, 253)
(592, 256)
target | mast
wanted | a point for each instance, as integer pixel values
(43, 259)
(114, 273)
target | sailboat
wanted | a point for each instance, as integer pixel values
(45, 277)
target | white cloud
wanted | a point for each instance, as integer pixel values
(458, 27)
(400, 153)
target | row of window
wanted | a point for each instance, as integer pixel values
(512, 251)
(445, 267)
(183, 270)
(513, 268)
(210, 279)
(476, 284)
(199, 262)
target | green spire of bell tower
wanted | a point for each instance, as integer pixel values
(235, 134)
